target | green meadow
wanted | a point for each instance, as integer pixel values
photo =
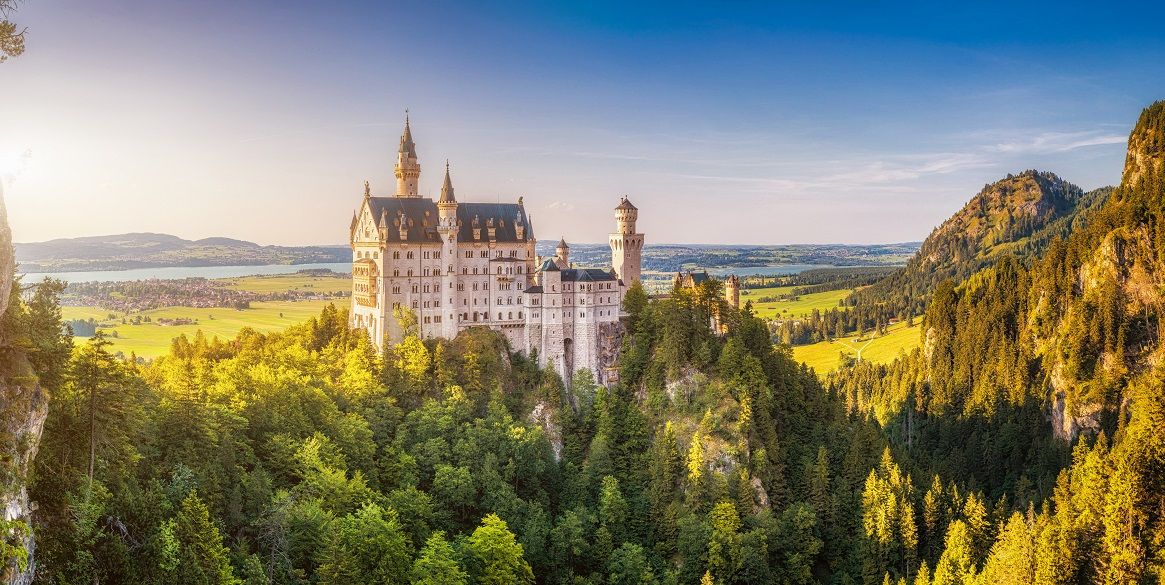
(801, 306)
(150, 340)
(290, 282)
(825, 356)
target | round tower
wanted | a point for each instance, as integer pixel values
(625, 217)
(732, 291)
(447, 230)
(562, 254)
(408, 170)
(626, 244)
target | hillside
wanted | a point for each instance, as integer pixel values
(1017, 216)
(1051, 360)
(146, 250)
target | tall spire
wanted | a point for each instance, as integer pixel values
(406, 139)
(408, 170)
(447, 187)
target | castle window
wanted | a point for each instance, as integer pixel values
(484, 254)
(414, 288)
(499, 269)
(426, 255)
(376, 255)
(426, 319)
(414, 304)
(410, 271)
(469, 254)
(513, 253)
(499, 300)
(511, 314)
(450, 269)
(519, 314)
(409, 256)
(461, 286)
(396, 290)
(499, 316)
(396, 255)
(396, 272)
(475, 270)
(464, 271)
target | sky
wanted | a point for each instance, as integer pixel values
(731, 122)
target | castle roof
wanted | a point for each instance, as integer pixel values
(587, 275)
(690, 278)
(419, 215)
(548, 265)
(626, 204)
(562, 243)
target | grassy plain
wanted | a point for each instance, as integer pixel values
(151, 340)
(825, 356)
(290, 282)
(801, 306)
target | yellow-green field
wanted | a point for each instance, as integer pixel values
(288, 282)
(802, 306)
(826, 355)
(151, 340)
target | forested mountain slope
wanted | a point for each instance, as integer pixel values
(1018, 216)
(1021, 359)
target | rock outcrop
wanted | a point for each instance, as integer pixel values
(23, 409)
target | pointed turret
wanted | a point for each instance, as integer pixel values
(407, 146)
(408, 170)
(447, 204)
(447, 188)
(562, 258)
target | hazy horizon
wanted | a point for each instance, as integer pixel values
(768, 126)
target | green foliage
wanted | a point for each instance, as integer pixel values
(498, 555)
(437, 564)
(195, 554)
(366, 547)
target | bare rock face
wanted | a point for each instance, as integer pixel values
(23, 409)
(1146, 145)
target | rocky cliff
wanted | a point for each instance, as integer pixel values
(23, 408)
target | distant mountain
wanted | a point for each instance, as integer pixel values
(1019, 215)
(1014, 215)
(147, 250)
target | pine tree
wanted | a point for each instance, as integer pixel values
(437, 564)
(202, 558)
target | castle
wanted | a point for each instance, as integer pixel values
(458, 264)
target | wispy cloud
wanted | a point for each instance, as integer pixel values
(561, 205)
(1056, 142)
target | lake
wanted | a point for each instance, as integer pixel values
(176, 272)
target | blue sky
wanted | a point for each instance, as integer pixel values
(727, 122)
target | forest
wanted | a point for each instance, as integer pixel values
(1023, 443)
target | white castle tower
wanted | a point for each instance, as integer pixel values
(408, 170)
(626, 244)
